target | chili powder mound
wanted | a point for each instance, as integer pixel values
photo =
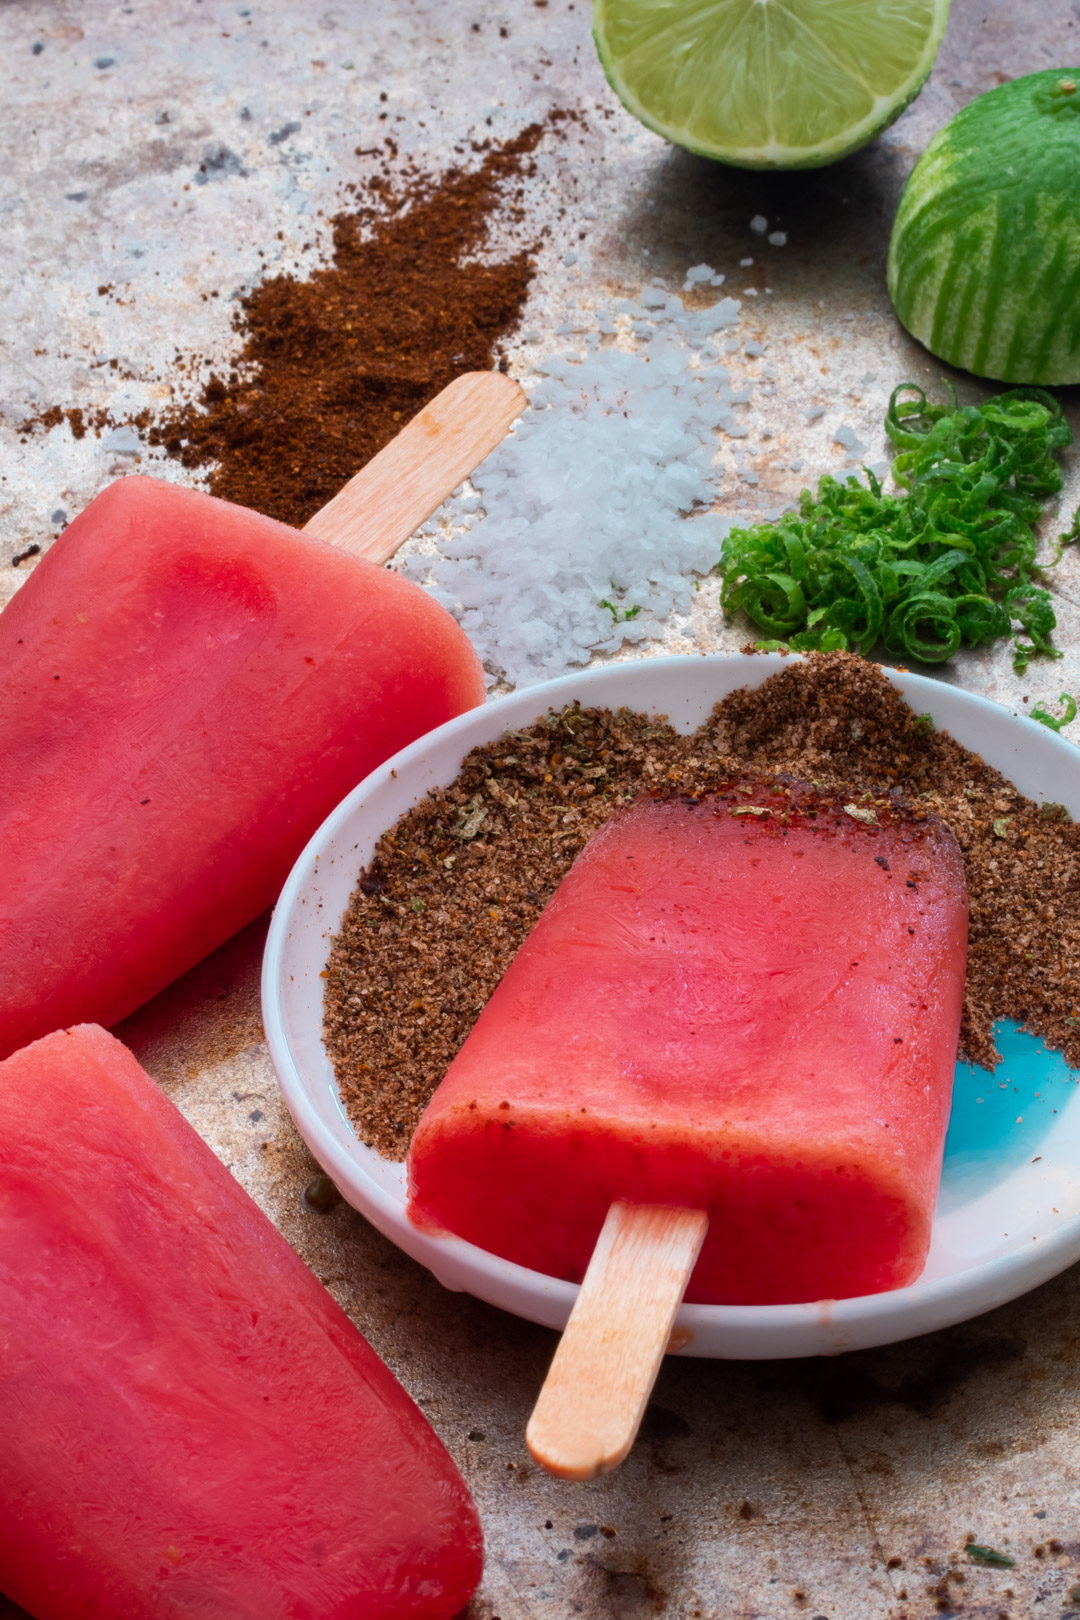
(456, 885)
(333, 366)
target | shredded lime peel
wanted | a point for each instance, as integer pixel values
(1057, 721)
(946, 562)
(988, 1555)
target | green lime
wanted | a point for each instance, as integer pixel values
(984, 261)
(768, 84)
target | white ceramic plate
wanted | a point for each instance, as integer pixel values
(1009, 1212)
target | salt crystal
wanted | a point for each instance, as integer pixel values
(698, 272)
(759, 224)
(570, 257)
(778, 238)
(753, 348)
(725, 313)
(590, 495)
(744, 264)
(123, 441)
(845, 434)
(814, 414)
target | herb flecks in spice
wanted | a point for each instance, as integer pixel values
(334, 364)
(485, 854)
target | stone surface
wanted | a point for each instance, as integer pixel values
(158, 152)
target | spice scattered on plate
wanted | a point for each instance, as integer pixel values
(455, 887)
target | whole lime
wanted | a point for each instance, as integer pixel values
(984, 260)
(768, 84)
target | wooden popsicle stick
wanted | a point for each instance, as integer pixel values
(590, 1408)
(401, 486)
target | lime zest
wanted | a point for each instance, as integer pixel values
(988, 1555)
(619, 615)
(1055, 722)
(1069, 538)
(947, 562)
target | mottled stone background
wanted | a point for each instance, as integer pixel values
(171, 152)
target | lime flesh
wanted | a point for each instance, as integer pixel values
(781, 84)
(984, 260)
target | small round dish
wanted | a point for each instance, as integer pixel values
(1008, 1216)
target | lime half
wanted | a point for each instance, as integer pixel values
(768, 84)
(984, 260)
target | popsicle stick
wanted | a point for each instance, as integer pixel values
(413, 474)
(596, 1390)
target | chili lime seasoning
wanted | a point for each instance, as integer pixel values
(454, 888)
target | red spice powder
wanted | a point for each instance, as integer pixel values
(332, 366)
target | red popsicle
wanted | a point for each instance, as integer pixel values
(189, 688)
(190, 1428)
(747, 1005)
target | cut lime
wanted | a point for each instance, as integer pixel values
(984, 261)
(768, 84)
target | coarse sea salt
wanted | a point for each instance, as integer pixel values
(846, 436)
(586, 527)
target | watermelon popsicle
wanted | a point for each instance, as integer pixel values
(189, 1426)
(745, 1006)
(189, 689)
